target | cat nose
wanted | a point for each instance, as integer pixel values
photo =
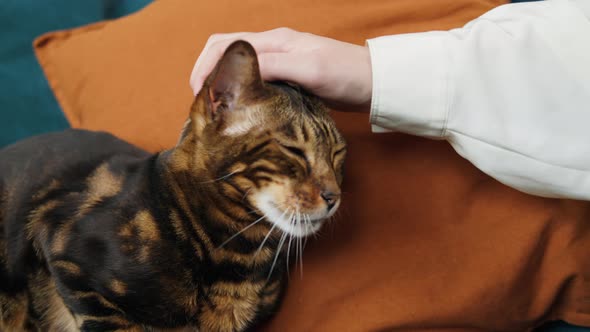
(330, 198)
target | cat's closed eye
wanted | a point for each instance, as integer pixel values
(338, 154)
(294, 151)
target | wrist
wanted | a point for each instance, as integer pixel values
(366, 74)
(353, 86)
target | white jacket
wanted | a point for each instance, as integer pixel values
(510, 91)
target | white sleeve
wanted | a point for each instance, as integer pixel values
(510, 91)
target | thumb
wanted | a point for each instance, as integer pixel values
(289, 67)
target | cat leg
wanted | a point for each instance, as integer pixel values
(93, 312)
(70, 310)
(13, 312)
(13, 304)
(108, 323)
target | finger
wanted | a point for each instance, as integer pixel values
(267, 41)
(205, 61)
(287, 66)
(262, 42)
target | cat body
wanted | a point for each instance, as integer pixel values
(113, 237)
(98, 235)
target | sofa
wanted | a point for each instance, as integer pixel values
(424, 241)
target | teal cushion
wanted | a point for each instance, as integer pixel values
(562, 327)
(27, 105)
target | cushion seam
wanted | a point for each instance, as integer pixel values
(40, 45)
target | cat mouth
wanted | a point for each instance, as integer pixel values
(289, 220)
(293, 222)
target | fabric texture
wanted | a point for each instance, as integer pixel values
(481, 88)
(423, 242)
(27, 105)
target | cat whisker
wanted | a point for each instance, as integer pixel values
(220, 178)
(246, 194)
(267, 235)
(307, 220)
(280, 246)
(299, 246)
(264, 240)
(241, 231)
(291, 223)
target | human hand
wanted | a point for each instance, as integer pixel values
(337, 72)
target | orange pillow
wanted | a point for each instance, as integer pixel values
(424, 241)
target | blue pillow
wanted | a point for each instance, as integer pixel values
(561, 327)
(27, 105)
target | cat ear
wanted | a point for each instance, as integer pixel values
(234, 82)
(235, 79)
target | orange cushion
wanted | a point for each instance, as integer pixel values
(423, 242)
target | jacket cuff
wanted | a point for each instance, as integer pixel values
(411, 83)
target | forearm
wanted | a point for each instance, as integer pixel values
(510, 91)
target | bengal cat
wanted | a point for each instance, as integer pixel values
(98, 235)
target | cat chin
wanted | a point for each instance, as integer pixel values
(288, 221)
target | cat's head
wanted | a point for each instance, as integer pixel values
(271, 146)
